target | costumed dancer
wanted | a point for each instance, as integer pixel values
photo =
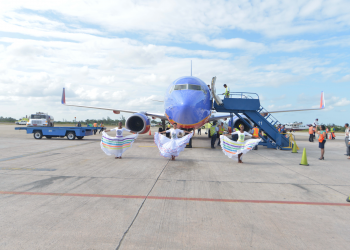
(235, 149)
(172, 147)
(117, 145)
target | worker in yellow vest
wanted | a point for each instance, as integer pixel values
(221, 131)
(332, 132)
(255, 132)
(227, 91)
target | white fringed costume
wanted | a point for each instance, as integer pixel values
(233, 148)
(117, 145)
(171, 147)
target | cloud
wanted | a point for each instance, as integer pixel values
(345, 78)
(233, 43)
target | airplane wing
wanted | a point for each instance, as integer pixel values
(215, 118)
(322, 106)
(115, 111)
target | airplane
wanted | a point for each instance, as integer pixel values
(187, 101)
(297, 126)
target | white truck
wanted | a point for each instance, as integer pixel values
(40, 119)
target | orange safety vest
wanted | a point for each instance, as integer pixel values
(311, 130)
(327, 130)
(321, 138)
(279, 130)
(95, 124)
(256, 132)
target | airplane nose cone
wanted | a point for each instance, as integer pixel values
(184, 114)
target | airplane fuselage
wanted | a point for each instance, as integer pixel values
(187, 102)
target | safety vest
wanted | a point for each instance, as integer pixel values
(236, 129)
(168, 125)
(256, 132)
(95, 124)
(332, 130)
(213, 130)
(221, 130)
(311, 130)
(227, 92)
(327, 130)
(279, 129)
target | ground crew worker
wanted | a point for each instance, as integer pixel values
(255, 132)
(311, 134)
(264, 134)
(199, 132)
(95, 130)
(227, 91)
(221, 131)
(208, 126)
(213, 132)
(332, 132)
(327, 130)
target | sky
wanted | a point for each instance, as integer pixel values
(124, 54)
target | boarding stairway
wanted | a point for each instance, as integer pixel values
(239, 103)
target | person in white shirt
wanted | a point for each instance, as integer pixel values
(117, 145)
(347, 139)
(236, 149)
(172, 147)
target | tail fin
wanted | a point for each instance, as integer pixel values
(63, 101)
(322, 104)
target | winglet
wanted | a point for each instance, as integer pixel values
(322, 104)
(63, 101)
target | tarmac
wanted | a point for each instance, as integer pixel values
(61, 194)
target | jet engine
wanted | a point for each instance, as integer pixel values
(238, 121)
(139, 123)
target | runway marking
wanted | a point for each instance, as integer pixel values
(177, 198)
(41, 152)
(28, 169)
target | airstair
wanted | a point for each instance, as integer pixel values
(239, 103)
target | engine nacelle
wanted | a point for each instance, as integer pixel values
(237, 121)
(139, 123)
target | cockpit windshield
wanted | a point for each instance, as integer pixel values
(187, 87)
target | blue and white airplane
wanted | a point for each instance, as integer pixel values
(187, 101)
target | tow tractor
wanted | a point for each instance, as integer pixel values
(49, 132)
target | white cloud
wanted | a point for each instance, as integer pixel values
(345, 78)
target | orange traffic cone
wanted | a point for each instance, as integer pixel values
(330, 136)
(149, 133)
